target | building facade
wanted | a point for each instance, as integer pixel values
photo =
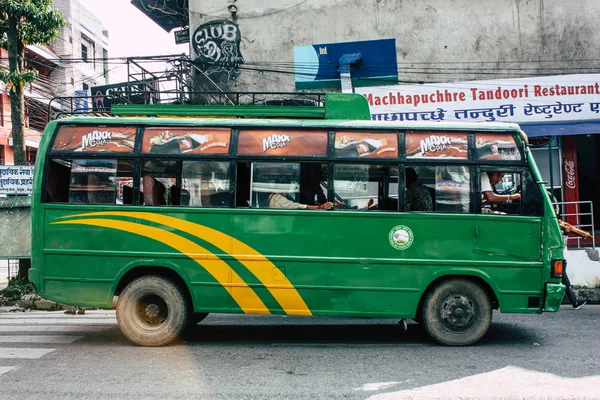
(76, 61)
(84, 40)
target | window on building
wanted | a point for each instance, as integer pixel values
(105, 64)
(85, 87)
(84, 52)
(2, 162)
(31, 155)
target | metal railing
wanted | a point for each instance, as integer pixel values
(582, 213)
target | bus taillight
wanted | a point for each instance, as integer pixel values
(558, 267)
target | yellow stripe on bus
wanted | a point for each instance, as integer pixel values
(278, 284)
(243, 295)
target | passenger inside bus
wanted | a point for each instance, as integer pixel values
(311, 191)
(418, 197)
(154, 191)
(280, 200)
(488, 181)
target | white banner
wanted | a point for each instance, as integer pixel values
(16, 179)
(538, 99)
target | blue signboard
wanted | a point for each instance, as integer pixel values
(318, 66)
(81, 104)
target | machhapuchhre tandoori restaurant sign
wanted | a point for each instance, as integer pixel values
(538, 99)
(95, 139)
(186, 141)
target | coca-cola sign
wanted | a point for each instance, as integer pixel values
(570, 174)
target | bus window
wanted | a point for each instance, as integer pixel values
(274, 178)
(94, 181)
(313, 183)
(506, 188)
(157, 178)
(57, 181)
(448, 187)
(452, 188)
(418, 196)
(362, 187)
(203, 184)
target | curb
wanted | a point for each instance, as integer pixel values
(589, 295)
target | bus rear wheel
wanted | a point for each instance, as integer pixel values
(152, 311)
(457, 312)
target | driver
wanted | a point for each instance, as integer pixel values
(488, 181)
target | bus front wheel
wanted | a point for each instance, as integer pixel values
(457, 312)
(152, 311)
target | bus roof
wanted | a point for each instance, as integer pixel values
(298, 123)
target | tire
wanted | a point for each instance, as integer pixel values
(152, 311)
(457, 312)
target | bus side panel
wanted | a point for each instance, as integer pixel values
(296, 244)
(83, 261)
(372, 277)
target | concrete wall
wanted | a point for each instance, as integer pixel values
(15, 223)
(436, 40)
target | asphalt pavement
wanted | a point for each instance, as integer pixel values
(50, 355)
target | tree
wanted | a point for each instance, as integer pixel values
(23, 22)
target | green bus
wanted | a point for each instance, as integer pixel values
(291, 210)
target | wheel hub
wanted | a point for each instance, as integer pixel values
(458, 313)
(152, 311)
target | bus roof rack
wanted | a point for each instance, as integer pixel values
(336, 106)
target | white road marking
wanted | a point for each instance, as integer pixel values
(505, 383)
(61, 321)
(371, 387)
(39, 339)
(91, 314)
(4, 370)
(55, 328)
(17, 352)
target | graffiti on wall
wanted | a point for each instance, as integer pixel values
(217, 45)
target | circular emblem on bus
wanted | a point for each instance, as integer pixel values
(401, 237)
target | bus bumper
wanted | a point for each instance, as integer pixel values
(555, 292)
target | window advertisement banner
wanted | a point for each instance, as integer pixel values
(496, 147)
(95, 139)
(186, 140)
(366, 145)
(16, 179)
(535, 99)
(277, 142)
(437, 144)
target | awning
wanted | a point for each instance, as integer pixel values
(45, 52)
(28, 142)
(589, 127)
